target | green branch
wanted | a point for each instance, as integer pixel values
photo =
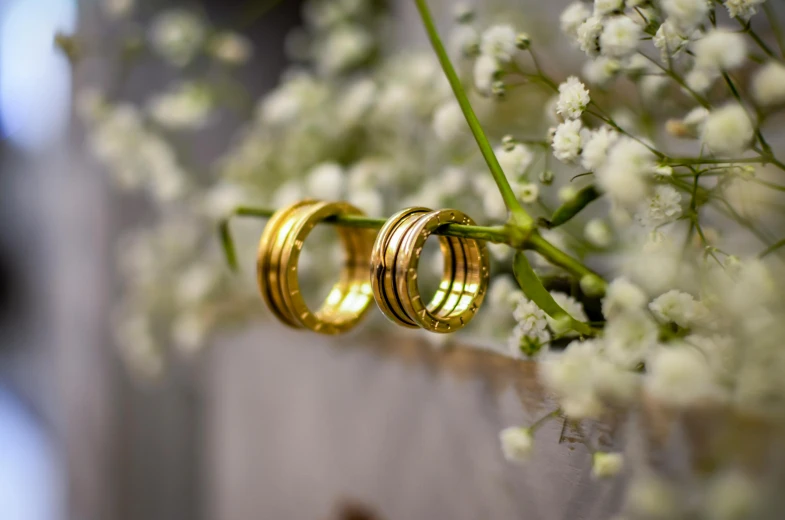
(519, 215)
(509, 235)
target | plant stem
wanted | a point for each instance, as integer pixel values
(519, 216)
(495, 234)
(775, 28)
(735, 93)
(772, 248)
(757, 39)
(556, 256)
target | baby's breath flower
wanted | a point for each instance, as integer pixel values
(620, 37)
(570, 375)
(573, 98)
(743, 9)
(572, 307)
(498, 42)
(686, 14)
(720, 49)
(326, 181)
(527, 192)
(588, 36)
(369, 200)
(651, 86)
(595, 150)
(517, 443)
(606, 7)
(345, 48)
(650, 496)
(464, 40)
(572, 17)
(530, 317)
(699, 80)
(230, 48)
(624, 175)
(695, 119)
(678, 375)
(463, 12)
(567, 141)
(768, 85)
(662, 207)
(728, 130)
(677, 307)
(514, 160)
(503, 292)
(629, 337)
(449, 125)
(486, 68)
(598, 233)
(525, 342)
(187, 106)
(621, 296)
(670, 41)
(606, 465)
(177, 35)
(601, 70)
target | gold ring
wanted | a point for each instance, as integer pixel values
(459, 297)
(385, 249)
(394, 266)
(279, 251)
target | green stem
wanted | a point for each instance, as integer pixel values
(678, 79)
(557, 257)
(509, 235)
(519, 215)
(544, 419)
(747, 26)
(686, 161)
(775, 27)
(772, 248)
(735, 93)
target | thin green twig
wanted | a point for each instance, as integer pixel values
(519, 215)
(772, 248)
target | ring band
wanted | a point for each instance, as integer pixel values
(385, 249)
(394, 262)
(277, 272)
(463, 296)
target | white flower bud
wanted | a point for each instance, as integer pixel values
(449, 124)
(598, 233)
(620, 37)
(498, 42)
(573, 98)
(567, 141)
(720, 50)
(517, 443)
(572, 17)
(686, 14)
(606, 465)
(486, 68)
(515, 160)
(728, 130)
(768, 85)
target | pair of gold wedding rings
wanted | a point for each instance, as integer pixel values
(393, 256)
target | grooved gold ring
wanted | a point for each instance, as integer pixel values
(277, 273)
(394, 262)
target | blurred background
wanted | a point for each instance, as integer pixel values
(268, 423)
